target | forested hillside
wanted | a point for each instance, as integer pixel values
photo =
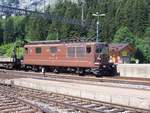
(126, 21)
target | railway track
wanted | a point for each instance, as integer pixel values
(123, 82)
(58, 103)
(11, 104)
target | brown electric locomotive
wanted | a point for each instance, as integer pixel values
(57, 56)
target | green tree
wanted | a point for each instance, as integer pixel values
(9, 30)
(37, 28)
(1, 33)
(144, 43)
(51, 36)
(65, 10)
(139, 55)
(19, 27)
(124, 35)
(133, 14)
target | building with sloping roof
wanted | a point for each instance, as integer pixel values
(121, 53)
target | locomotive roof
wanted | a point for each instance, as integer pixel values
(45, 42)
(59, 42)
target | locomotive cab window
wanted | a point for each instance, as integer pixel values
(38, 50)
(98, 49)
(88, 49)
(102, 49)
(53, 49)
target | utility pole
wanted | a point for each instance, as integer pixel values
(82, 15)
(44, 5)
(97, 24)
(82, 4)
(5, 18)
(57, 35)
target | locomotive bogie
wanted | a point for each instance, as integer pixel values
(106, 69)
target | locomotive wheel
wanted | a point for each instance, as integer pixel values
(114, 72)
(81, 73)
(26, 68)
(9, 66)
(56, 71)
(99, 74)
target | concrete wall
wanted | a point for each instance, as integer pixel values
(134, 70)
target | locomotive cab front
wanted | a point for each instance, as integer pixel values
(102, 64)
(101, 54)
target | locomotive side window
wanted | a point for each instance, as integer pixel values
(80, 51)
(26, 51)
(71, 51)
(53, 49)
(88, 49)
(38, 50)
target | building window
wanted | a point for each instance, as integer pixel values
(88, 49)
(71, 51)
(80, 51)
(53, 49)
(38, 50)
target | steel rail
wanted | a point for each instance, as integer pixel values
(74, 103)
(83, 80)
(9, 104)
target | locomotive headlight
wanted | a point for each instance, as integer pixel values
(98, 58)
(104, 66)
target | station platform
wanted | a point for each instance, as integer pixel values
(124, 96)
(134, 70)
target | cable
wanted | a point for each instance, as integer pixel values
(9, 9)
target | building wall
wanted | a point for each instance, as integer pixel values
(125, 55)
(122, 56)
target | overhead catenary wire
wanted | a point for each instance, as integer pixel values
(19, 11)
